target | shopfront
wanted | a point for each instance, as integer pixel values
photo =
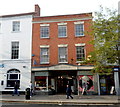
(107, 85)
(56, 78)
(86, 78)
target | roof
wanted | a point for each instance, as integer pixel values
(68, 15)
(14, 15)
(46, 19)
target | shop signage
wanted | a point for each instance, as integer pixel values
(40, 77)
(116, 69)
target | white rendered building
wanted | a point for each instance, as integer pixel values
(15, 51)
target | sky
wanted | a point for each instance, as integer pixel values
(55, 7)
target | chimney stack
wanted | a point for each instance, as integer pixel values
(37, 10)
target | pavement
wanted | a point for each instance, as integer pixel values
(61, 99)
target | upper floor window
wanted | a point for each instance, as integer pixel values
(80, 53)
(63, 57)
(15, 50)
(16, 26)
(62, 28)
(44, 54)
(44, 30)
(79, 29)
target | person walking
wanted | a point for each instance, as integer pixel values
(16, 87)
(68, 92)
(84, 91)
(31, 88)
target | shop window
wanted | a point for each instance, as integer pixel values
(107, 84)
(12, 76)
(86, 80)
(40, 83)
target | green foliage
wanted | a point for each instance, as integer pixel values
(105, 34)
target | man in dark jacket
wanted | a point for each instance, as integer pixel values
(68, 92)
(16, 87)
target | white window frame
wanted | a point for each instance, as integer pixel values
(42, 30)
(80, 45)
(12, 72)
(16, 26)
(62, 27)
(15, 50)
(45, 54)
(79, 23)
(64, 57)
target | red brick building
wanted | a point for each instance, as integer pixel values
(59, 44)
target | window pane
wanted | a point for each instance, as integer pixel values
(40, 83)
(13, 76)
(44, 31)
(61, 31)
(62, 54)
(16, 26)
(80, 53)
(15, 50)
(79, 30)
(44, 55)
(10, 83)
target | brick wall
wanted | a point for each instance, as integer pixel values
(54, 41)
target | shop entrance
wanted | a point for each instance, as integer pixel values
(62, 81)
(106, 84)
(62, 78)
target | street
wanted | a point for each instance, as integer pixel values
(51, 105)
(59, 101)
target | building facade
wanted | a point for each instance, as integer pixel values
(15, 51)
(59, 45)
(55, 46)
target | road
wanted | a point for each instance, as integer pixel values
(51, 105)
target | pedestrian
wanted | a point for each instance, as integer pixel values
(31, 88)
(68, 92)
(16, 87)
(84, 91)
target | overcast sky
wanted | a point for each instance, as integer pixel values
(54, 7)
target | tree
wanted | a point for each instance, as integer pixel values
(105, 34)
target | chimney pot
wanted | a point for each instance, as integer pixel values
(37, 10)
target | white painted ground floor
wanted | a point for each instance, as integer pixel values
(11, 71)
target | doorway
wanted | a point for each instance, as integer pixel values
(106, 83)
(62, 78)
(62, 82)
